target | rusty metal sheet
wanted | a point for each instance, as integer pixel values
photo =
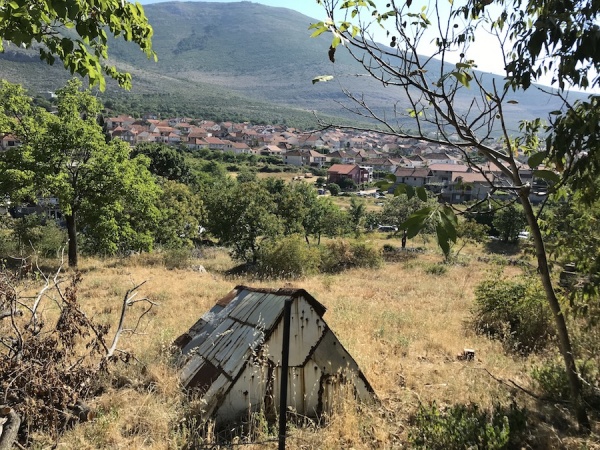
(306, 329)
(204, 376)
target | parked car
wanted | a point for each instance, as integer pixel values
(387, 228)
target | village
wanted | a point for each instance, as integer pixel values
(359, 156)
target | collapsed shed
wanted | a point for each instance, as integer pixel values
(233, 356)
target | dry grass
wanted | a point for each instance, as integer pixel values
(403, 325)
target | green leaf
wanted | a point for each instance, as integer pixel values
(547, 175)
(400, 189)
(319, 31)
(443, 239)
(322, 78)
(513, 102)
(536, 159)
(416, 222)
(422, 194)
(462, 77)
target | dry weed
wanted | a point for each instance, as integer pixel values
(403, 326)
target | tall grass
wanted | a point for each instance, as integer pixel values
(402, 324)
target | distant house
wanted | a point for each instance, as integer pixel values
(415, 177)
(270, 150)
(295, 158)
(439, 158)
(241, 148)
(120, 121)
(342, 156)
(337, 172)
(215, 143)
(9, 141)
(467, 186)
(232, 357)
(445, 173)
(128, 136)
(382, 164)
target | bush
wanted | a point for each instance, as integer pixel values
(436, 269)
(514, 312)
(38, 234)
(289, 257)
(467, 426)
(340, 255)
(552, 381)
(177, 258)
(334, 189)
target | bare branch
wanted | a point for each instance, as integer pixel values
(127, 299)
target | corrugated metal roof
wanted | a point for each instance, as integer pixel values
(235, 327)
(236, 332)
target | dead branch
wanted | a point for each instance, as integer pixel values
(128, 300)
(7, 313)
(10, 428)
(511, 384)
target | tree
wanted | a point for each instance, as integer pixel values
(77, 33)
(317, 219)
(347, 184)
(242, 215)
(509, 222)
(357, 213)
(397, 210)
(181, 215)
(165, 161)
(427, 87)
(64, 156)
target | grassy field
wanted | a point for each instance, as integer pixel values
(403, 323)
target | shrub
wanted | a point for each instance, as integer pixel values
(436, 269)
(467, 426)
(177, 258)
(340, 254)
(552, 381)
(36, 233)
(289, 257)
(514, 312)
(334, 188)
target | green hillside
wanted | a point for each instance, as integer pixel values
(238, 61)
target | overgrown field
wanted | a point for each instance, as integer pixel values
(404, 323)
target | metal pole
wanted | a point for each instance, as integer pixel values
(285, 357)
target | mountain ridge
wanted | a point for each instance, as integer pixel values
(242, 52)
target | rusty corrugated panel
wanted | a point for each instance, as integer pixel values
(225, 300)
(204, 377)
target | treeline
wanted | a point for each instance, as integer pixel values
(111, 199)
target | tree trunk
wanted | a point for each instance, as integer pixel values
(404, 233)
(564, 340)
(72, 233)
